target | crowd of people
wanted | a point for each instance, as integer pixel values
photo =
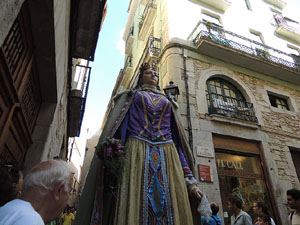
(154, 184)
(262, 215)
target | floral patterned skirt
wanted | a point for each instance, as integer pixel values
(152, 189)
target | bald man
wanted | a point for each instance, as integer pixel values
(45, 194)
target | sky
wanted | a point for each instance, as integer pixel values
(109, 59)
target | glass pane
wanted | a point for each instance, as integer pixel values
(227, 92)
(211, 82)
(278, 102)
(232, 94)
(219, 91)
(217, 83)
(240, 176)
(223, 88)
(213, 89)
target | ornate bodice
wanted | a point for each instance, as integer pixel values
(150, 116)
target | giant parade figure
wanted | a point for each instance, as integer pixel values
(152, 180)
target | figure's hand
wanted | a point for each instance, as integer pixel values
(196, 193)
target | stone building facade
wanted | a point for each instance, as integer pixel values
(236, 64)
(41, 43)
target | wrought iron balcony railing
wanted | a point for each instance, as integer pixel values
(230, 107)
(144, 15)
(284, 24)
(154, 46)
(229, 39)
(78, 99)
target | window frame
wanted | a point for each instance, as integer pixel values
(273, 99)
(295, 155)
(238, 93)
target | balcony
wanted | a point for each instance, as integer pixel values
(287, 29)
(146, 20)
(153, 49)
(278, 3)
(129, 41)
(221, 5)
(78, 99)
(128, 66)
(227, 46)
(230, 107)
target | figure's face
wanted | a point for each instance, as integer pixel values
(149, 77)
(292, 203)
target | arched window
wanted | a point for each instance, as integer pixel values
(225, 99)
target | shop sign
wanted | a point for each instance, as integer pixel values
(205, 173)
(229, 164)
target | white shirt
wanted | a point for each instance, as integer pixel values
(19, 212)
(272, 221)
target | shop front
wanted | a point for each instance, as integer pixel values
(241, 173)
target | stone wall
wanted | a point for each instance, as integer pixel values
(282, 126)
(276, 130)
(51, 127)
(9, 10)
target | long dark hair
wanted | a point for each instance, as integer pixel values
(265, 218)
(264, 207)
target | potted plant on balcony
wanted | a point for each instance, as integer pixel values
(141, 21)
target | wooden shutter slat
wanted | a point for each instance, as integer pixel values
(13, 47)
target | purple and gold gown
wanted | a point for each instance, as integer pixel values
(152, 186)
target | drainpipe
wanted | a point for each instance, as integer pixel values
(188, 111)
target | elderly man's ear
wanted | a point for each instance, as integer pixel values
(59, 191)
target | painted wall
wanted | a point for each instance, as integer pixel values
(183, 16)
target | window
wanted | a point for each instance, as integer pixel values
(225, 99)
(278, 102)
(212, 24)
(222, 94)
(256, 36)
(223, 90)
(260, 49)
(248, 5)
(211, 18)
(295, 153)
